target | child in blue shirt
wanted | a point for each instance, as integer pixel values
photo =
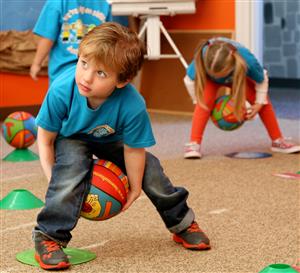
(61, 26)
(221, 62)
(94, 110)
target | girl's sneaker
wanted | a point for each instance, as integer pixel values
(192, 150)
(281, 145)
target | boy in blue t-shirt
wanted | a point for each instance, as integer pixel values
(61, 26)
(97, 112)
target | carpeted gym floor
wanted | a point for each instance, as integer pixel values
(251, 216)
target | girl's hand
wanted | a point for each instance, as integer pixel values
(253, 110)
(131, 197)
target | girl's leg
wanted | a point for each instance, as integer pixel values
(201, 115)
(267, 113)
(66, 191)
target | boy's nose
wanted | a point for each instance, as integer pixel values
(88, 76)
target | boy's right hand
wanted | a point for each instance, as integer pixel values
(34, 70)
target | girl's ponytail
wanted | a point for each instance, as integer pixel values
(239, 85)
(200, 76)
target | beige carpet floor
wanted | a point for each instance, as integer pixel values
(251, 216)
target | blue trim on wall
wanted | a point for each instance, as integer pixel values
(19, 15)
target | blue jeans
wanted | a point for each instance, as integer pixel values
(70, 183)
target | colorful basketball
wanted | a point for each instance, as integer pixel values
(19, 130)
(108, 192)
(223, 116)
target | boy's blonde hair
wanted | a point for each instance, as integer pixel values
(116, 47)
(220, 56)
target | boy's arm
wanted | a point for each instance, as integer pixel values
(45, 141)
(43, 48)
(135, 164)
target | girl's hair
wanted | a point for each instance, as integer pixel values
(115, 47)
(220, 56)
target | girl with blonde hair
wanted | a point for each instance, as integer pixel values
(221, 62)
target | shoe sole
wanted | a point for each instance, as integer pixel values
(61, 265)
(286, 151)
(192, 155)
(201, 246)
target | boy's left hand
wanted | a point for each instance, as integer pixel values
(131, 197)
(253, 110)
(135, 164)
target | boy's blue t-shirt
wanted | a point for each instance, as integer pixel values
(254, 69)
(65, 22)
(122, 116)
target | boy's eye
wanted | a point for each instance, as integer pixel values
(101, 74)
(84, 64)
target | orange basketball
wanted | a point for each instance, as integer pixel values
(108, 192)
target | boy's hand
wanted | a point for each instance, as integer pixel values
(34, 70)
(135, 164)
(253, 110)
(131, 197)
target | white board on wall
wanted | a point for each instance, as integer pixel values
(155, 7)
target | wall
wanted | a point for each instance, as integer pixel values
(209, 15)
(282, 39)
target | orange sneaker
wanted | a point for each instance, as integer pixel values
(192, 238)
(49, 254)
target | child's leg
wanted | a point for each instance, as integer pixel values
(171, 204)
(66, 191)
(169, 201)
(267, 113)
(201, 115)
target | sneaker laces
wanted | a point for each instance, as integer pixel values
(283, 142)
(192, 146)
(51, 246)
(194, 228)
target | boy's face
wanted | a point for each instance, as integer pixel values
(96, 83)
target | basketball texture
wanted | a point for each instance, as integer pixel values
(223, 114)
(19, 130)
(108, 192)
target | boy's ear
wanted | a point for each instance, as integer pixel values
(122, 84)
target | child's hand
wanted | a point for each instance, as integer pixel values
(253, 110)
(131, 197)
(34, 70)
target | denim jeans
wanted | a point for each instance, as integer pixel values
(70, 183)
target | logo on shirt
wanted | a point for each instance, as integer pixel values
(72, 31)
(101, 131)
